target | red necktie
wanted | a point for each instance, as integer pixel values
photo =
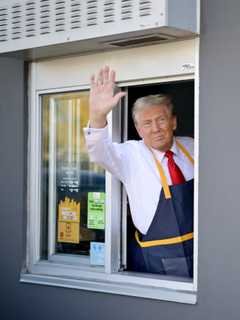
(175, 173)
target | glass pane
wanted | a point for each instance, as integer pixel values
(72, 189)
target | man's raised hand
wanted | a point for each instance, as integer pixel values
(102, 99)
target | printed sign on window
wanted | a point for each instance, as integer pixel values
(69, 221)
(97, 253)
(96, 210)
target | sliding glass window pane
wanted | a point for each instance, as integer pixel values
(72, 189)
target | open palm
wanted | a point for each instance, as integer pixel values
(102, 98)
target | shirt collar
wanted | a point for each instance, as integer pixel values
(160, 155)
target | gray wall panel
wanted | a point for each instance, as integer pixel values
(182, 14)
(11, 182)
(219, 156)
(219, 261)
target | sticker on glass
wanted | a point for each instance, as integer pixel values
(97, 253)
(96, 210)
(69, 221)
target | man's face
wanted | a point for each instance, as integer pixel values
(155, 125)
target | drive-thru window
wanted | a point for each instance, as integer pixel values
(79, 218)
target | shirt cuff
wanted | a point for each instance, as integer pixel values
(94, 134)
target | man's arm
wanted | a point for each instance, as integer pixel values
(114, 157)
(102, 100)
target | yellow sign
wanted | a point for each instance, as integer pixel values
(69, 221)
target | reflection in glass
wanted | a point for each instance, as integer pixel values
(71, 186)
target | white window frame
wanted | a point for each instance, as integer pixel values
(72, 272)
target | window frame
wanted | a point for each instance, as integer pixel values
(72, 272)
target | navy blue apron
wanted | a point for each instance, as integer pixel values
(167, 248)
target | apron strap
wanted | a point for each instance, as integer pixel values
(185, 152)
(174, 240)
(165, 185)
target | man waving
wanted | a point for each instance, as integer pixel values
(157, 173)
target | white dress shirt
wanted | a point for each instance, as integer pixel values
(133, 163)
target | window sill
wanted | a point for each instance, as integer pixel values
(123, 283)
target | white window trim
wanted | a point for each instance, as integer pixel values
(68, 272)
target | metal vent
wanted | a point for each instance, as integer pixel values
(3, 24)
(109, 11)
(145, 8)
(16, 22)
(141, 40)
(30, 19)
(45, 17)
(92, 12)
(75, 18)
(60, 15)
(90, 25)
(126, 9)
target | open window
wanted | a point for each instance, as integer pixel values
(182, 95)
